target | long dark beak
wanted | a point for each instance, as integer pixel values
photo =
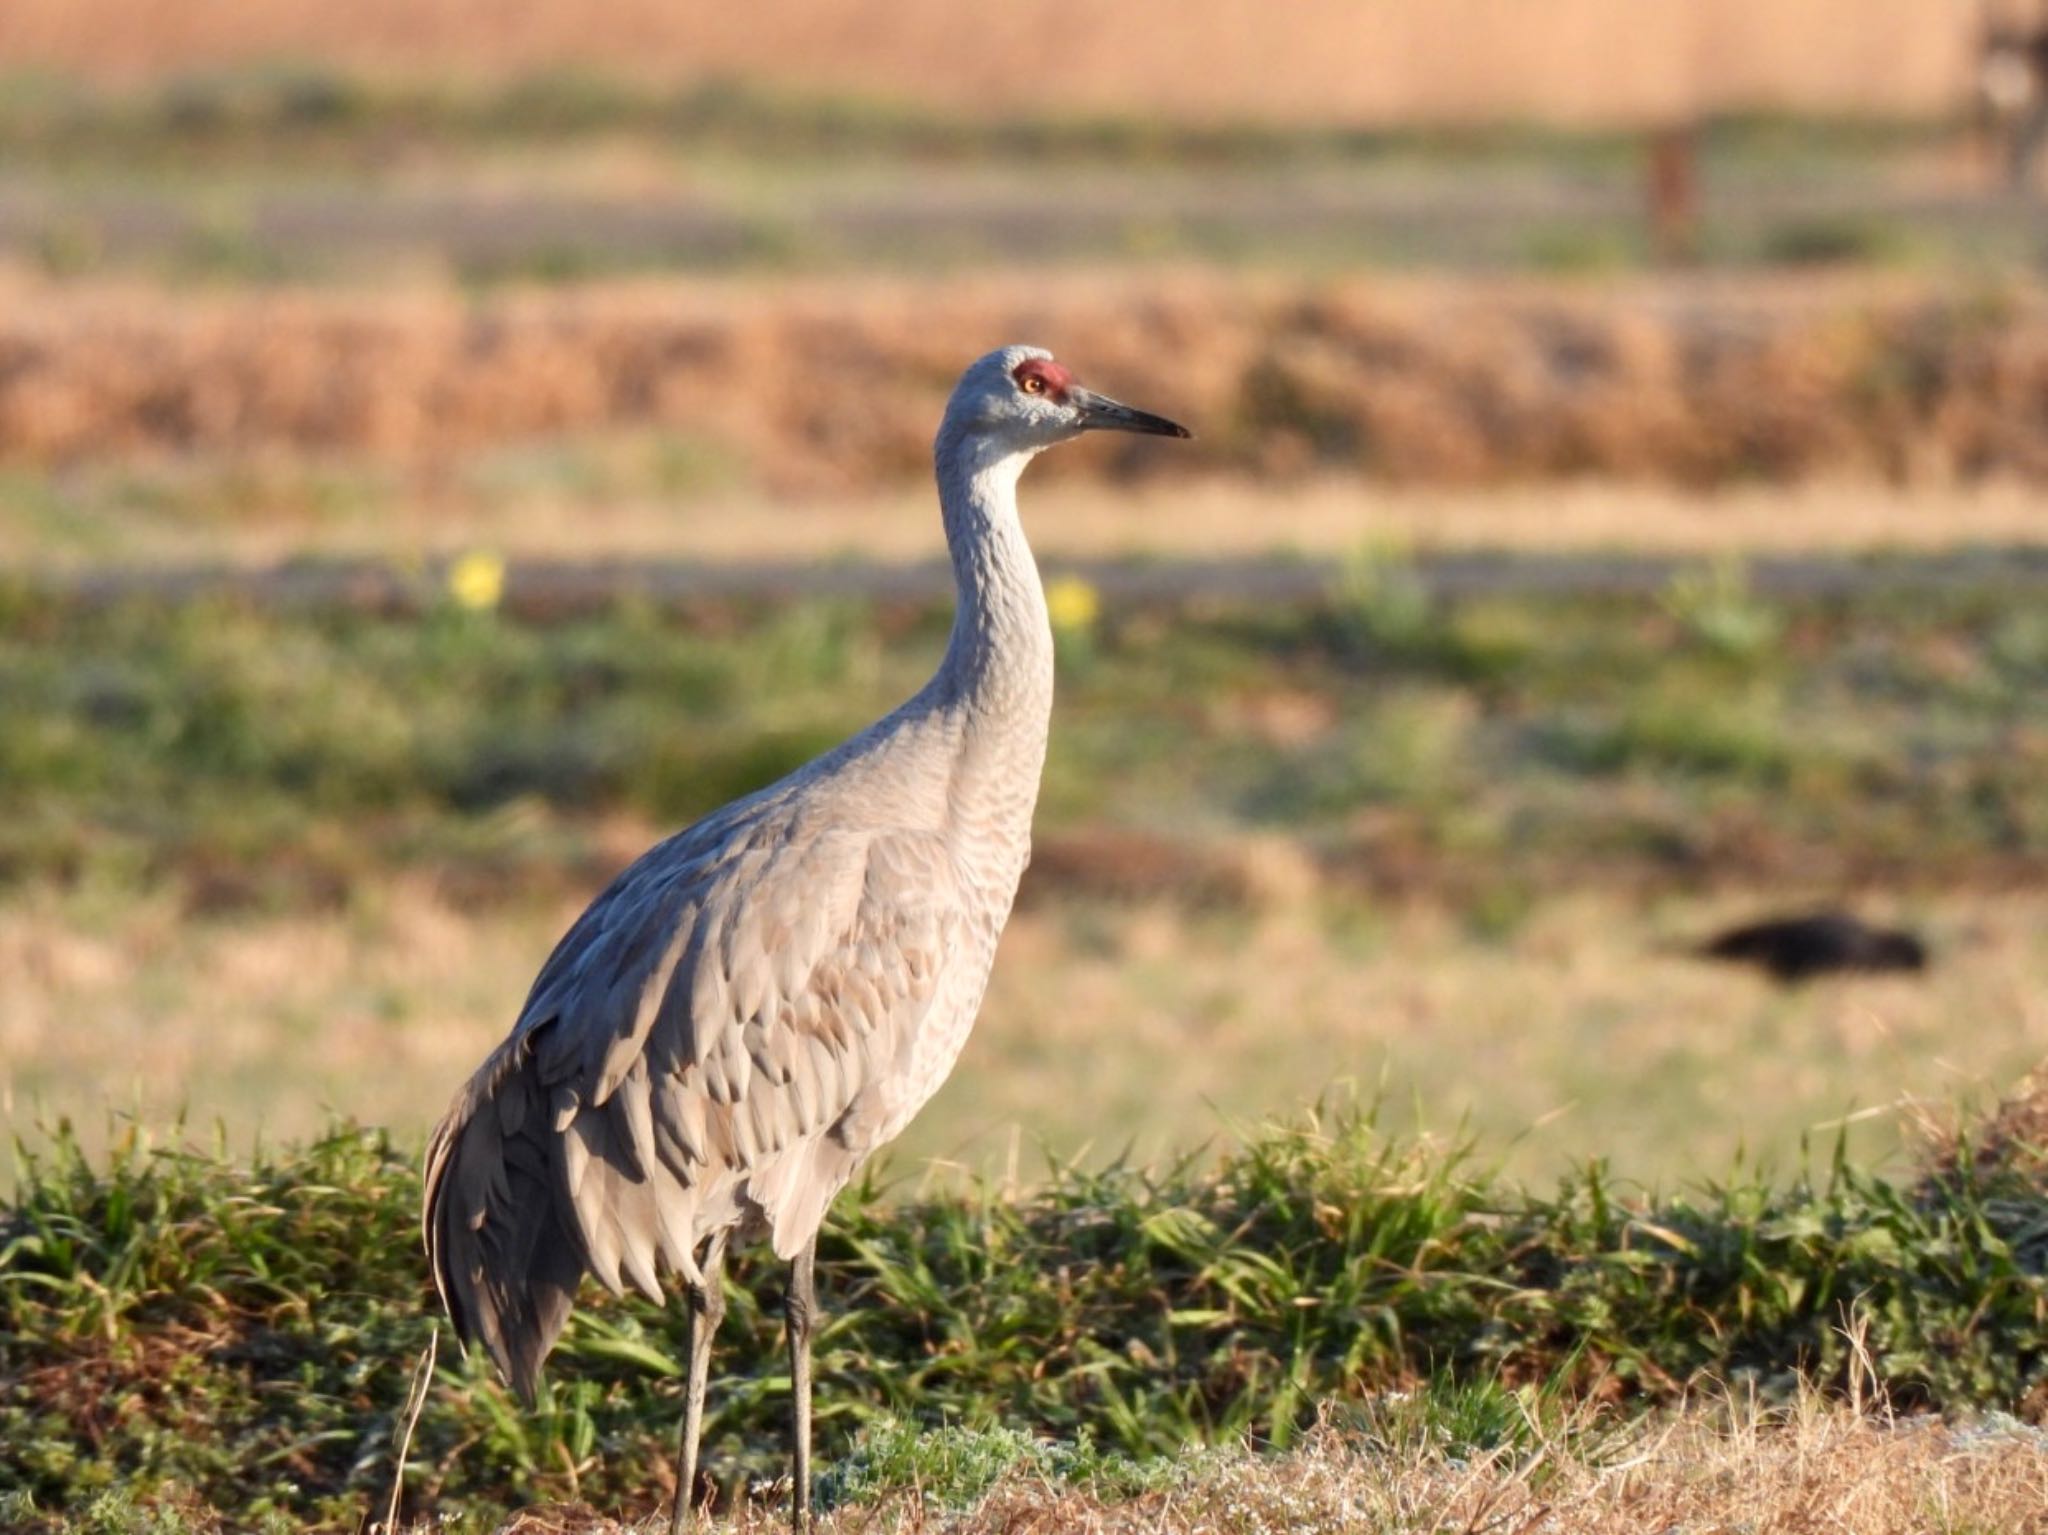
(1101, 414)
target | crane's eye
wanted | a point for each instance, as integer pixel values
(1031, 383)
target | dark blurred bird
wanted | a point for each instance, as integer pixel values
(1795, 949)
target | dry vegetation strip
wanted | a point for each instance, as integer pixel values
(1719, 1467)
(1588, 1022)
(1312, 60)
(831, 387)
(1815, 1471)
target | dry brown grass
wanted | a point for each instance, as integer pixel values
(830, 387)
(2013, 1136)
(1715, 1469)
(1832, 1472)
(1106, 1024)
(1320, 60)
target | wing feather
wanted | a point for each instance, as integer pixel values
(705, 1045)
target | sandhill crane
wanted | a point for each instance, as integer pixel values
(758, 1003)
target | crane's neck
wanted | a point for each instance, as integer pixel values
(998, 666)
(998, 673)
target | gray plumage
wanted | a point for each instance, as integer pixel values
(758, 1003)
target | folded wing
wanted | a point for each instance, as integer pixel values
(714, 1042)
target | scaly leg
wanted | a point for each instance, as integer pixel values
(706, 1303)
(800, 1306)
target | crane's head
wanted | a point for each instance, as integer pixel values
(1018, 400)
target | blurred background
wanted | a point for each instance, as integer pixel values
(445, 444)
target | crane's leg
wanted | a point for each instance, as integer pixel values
(800, 1307)
(706, 1309)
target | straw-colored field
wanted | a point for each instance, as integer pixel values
(1396, 60)
(1582, 1032)
(1817, 1470)
(831, 387)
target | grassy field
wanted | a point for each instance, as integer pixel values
(1110, 1028)
(316, 172)
(310, 177)
(1589, 1235)
(233, 1344)
(1451, 851)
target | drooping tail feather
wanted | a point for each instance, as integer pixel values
(505, 1260)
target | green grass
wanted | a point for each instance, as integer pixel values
(290, 108)
(1512, 740)
(208, 161)
(181, 1330)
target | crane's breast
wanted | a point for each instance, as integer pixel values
(725, 1033)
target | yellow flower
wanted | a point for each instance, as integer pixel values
(1073, 604)
(477, 581)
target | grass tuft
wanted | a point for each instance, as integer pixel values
(184, 1331)
(287, 759)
